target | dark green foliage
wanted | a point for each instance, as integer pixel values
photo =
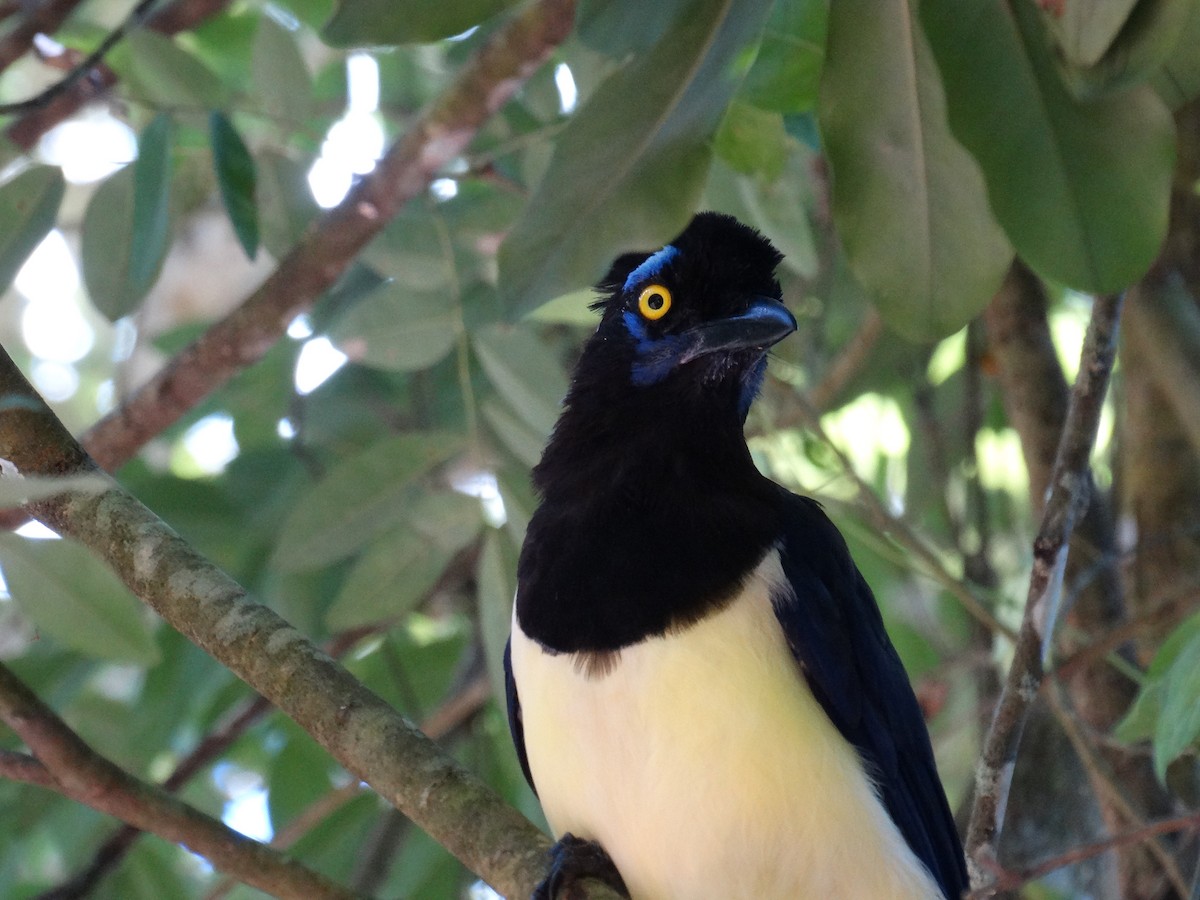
(898, 154)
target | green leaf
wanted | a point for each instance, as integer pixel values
(753, 140)
(628, 169)
(18, 489)
(395, 574)
(285, 202)
(1179, 721)
(151, 226)
(355, 285)
(1178, 81)
(569, 309)
(523, 442)
(524, 371)
(107, 248)
(358, 498)
(1141, 720)
(28, 209)
(398, 329)
(76, 599)
(1139, 50)
(497, 579)
(1168, 652)
(620, 27)
(366, 22)
(909, 202)
(1081, 189)
(313, 13)
(778, 208)
(150, 869)
(237, 180)
(298, 775)
(787, 69)
(170, 76)
(282, 83)
(519, 502)
(1085, 29)
(410, 251)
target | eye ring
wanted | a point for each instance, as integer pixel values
(654, 302)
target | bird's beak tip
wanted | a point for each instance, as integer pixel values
(763, 324)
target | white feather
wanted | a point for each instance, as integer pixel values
(706, 768)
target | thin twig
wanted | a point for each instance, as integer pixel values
(1067, 501)
(182, 15)
(308, 819)
(848, 363)
(1012, 880)
(1161, 613)
(41, 100)
(45, 18)
(901, 532)
(83, 775)
(1105, 782)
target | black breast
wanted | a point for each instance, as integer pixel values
(653, 546)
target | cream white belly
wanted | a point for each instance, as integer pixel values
(706, 769)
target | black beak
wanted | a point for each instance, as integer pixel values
(764, 324)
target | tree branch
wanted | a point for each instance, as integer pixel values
(1068, 499)
(28, 129)
(1036, 399)
(456, 710)
(80, 773)
(184, 15)
(45, 18)
(26, 769)
(114, 848)
(441, 132)
(1011, 881)
(1113, 793)
(43, 99)
(900, 531)
(217, 741)
(848, 362)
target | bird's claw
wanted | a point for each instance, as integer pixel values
(573, 859)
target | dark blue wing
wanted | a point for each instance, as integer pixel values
(514, 714)
(835, 630)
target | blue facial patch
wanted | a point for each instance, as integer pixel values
(655, 356)
(751, 384)
(651, 268)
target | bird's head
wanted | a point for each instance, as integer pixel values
(696, 316)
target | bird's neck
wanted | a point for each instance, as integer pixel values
(630, 446)
(651, 516)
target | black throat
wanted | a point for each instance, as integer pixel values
(652, 511)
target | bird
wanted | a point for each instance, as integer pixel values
(699, 685)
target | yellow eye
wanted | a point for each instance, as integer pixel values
(654, 302)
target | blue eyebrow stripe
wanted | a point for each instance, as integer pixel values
(652, 266)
